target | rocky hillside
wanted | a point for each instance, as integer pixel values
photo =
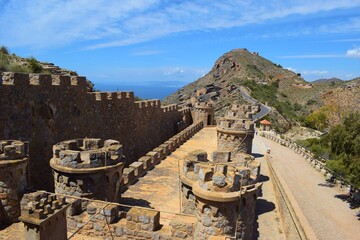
(291, 96)
(13, 63)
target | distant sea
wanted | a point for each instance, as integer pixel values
(150, 91)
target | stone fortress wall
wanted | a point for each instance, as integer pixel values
(45, 109)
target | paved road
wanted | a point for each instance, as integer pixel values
(330, 217)
(263, 108)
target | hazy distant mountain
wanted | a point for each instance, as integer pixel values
(328, 80)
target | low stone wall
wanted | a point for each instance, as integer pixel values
(108, 220)
(292, 226)
(316, 163)
(139, 168)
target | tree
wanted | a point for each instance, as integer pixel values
(344, 142)
(4, 50)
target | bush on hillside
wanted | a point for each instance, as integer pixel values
(34, 65)
(4, 50)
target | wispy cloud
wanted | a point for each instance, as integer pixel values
(315, 72)
(331, 55)
(100, 24)
(355, 52)
(174, 71)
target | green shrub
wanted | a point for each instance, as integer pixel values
(4, 50)
(311, 102)
(34, 65)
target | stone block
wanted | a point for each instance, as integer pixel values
(69, 157)
(155, 157)
(219, 179)
(146, 160)
(221, 156)
(110, 212)
(91, 143)
(205, 174)
(197, 155)
(147, 217)
(128, 175)
(138, 168)
(182, 226)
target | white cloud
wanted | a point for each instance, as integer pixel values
(355, 52)
(291, 69)
(315, 72)
(99, 23)
(174, 71)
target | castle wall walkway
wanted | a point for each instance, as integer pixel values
(321, 203)
(160, 187)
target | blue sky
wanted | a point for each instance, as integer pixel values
(157, 46)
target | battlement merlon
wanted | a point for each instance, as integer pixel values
(148, 103)
(113, 96)
(13, 150)
(185, 110)
(169, 108)
(235, 126)
(39, 206)
(43, 80)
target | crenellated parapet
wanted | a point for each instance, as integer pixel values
(88, 167)
(222, 194)
(235, 131)
(46, 109)
(113, 96)
(170, 108)
(148, 104)
(14, 158)
(44, 216)
(43, 80)
(137, 169)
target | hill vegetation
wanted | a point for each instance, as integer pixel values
(342, 146)
(13, 63)
(318, 105)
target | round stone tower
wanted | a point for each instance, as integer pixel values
(224, 193)
(203, 111)
(88, 167)
(14, 158)
(235, 131)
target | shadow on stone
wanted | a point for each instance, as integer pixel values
(326, 184)
(347, 198)
(263, 178)
(134, 203)
(264, 206)
(257, 155)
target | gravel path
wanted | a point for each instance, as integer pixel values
(330, 217)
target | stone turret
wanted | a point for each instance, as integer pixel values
(14, 158)
(88, 167)
(235, 131)
(223, 194)
(203, 111)
(44, 216)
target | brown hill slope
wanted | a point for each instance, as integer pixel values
(282, 89)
